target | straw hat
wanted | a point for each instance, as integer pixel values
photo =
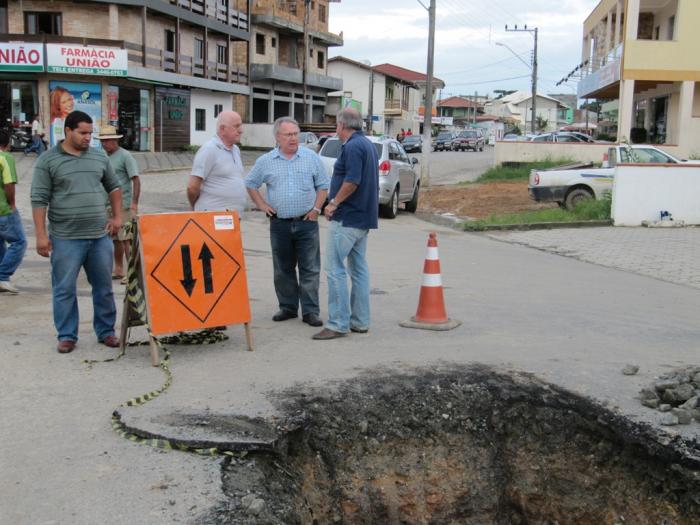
(108, 132)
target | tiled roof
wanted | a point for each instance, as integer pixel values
(457, 102)
(405, 74)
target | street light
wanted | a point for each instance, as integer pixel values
(529, 66)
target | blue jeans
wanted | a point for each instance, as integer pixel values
(36, 146)
(296, 244)
(12, 244)
(346, 310)
(67, 257)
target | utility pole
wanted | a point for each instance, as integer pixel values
(533, 32)
(428, 113)
(306, 59)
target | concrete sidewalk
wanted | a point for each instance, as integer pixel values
(569, 322)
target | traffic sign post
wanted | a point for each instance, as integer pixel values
(193, 272)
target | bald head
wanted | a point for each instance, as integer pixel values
(229, 127)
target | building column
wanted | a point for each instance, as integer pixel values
(271, 106)
(113, 22)
(608, 37)
(626, 109)
(618, 24)
(685, 118)
(632, 20)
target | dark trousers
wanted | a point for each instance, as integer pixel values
(295, 244)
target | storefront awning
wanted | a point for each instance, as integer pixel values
(154, 82)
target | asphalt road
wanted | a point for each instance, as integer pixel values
(569, 322)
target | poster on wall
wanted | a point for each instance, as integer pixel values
(69, 96)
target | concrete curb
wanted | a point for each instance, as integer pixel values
(456, 223)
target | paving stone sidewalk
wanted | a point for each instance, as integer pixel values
(668, 254)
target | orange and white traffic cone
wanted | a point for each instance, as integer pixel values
(431, 313)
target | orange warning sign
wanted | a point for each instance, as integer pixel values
(193, 270)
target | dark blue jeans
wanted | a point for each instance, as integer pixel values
(96, 256)
(12, 244)
(296, 244)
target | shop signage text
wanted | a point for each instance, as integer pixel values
(21, 56)
(86, 60)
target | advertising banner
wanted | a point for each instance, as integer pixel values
(86, 60)
(21, 56)
(69, 96)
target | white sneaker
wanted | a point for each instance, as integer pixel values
(7, 286)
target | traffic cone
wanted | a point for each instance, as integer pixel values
(431, 313)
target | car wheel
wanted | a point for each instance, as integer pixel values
(412, 205)
(576, 196)
(391, 209)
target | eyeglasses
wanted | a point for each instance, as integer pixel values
(290, 135)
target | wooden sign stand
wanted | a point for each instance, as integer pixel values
(131, 316)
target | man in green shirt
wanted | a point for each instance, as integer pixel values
(127, 170)
(68, 185)
(12, 240)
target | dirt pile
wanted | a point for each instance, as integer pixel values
(479, 201)
(461, 445)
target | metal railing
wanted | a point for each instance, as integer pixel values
(220, 10)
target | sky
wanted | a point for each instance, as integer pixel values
(467, 58)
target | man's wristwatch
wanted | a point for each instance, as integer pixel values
(334, 203)
(317, 210)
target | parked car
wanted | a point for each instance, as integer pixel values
(443, 141)
(399, 182)
(569, 185)
(471, 139)
(412, 144)
(512, 137)
(309, 140)
(563, 136)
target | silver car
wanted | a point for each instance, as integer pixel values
(398, 180)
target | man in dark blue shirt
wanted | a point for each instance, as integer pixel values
(352, 212)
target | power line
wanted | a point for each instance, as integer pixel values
(483, 66)
(488, 81)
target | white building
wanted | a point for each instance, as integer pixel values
(518, 106)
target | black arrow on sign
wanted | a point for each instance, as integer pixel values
(206, 256)
(187, 281)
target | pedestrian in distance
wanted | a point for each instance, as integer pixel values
(37, 145)
(69, 185)
(352, 212)
(217, 179)
(297, 186)
(12, 240)
(127, 170)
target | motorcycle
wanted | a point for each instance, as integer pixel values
(19, 138)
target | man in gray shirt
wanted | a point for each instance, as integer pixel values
(69, 183)
(217, 182)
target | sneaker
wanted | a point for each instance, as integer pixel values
(7, 286)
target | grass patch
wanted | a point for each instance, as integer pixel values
(590, 210)
(521, 172)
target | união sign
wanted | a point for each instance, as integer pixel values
(21, 56)
(86, 60)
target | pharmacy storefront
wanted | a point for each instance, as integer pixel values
(53, 79)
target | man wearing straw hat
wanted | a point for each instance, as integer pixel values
(127, 170)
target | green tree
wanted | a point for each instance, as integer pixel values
(541, 123)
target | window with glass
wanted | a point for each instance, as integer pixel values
(218, 108)
(322, 17)
(42, 23)
(3, 17)
(221, 54)
(199, 49)
(200, 117)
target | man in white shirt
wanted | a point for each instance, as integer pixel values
(37, 144)
(217, 179)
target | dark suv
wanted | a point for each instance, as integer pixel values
(443, 141)
(469, 139)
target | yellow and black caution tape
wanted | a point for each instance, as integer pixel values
(137, 303)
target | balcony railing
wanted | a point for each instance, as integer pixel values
(395, 105)
(186, 65)
(217, 9)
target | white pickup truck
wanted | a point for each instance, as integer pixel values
(568, 185)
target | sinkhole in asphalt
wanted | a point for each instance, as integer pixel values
(456, 445)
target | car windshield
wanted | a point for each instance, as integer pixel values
(444, 136)
(332, 148)
(468, 134)
(411, 139)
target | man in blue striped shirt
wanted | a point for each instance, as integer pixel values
(297, 185)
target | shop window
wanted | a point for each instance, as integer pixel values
(42, 23)
(221, 54)
(3, 17)
(218, 108)
(322, 17)
(259, 44)
(200, 119)
(320, 59)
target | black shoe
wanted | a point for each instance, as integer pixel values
(283, 315)
(312, 320)
(358, 330)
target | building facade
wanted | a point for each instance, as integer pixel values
(159, 70)
(517, 108)
(644, 54)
